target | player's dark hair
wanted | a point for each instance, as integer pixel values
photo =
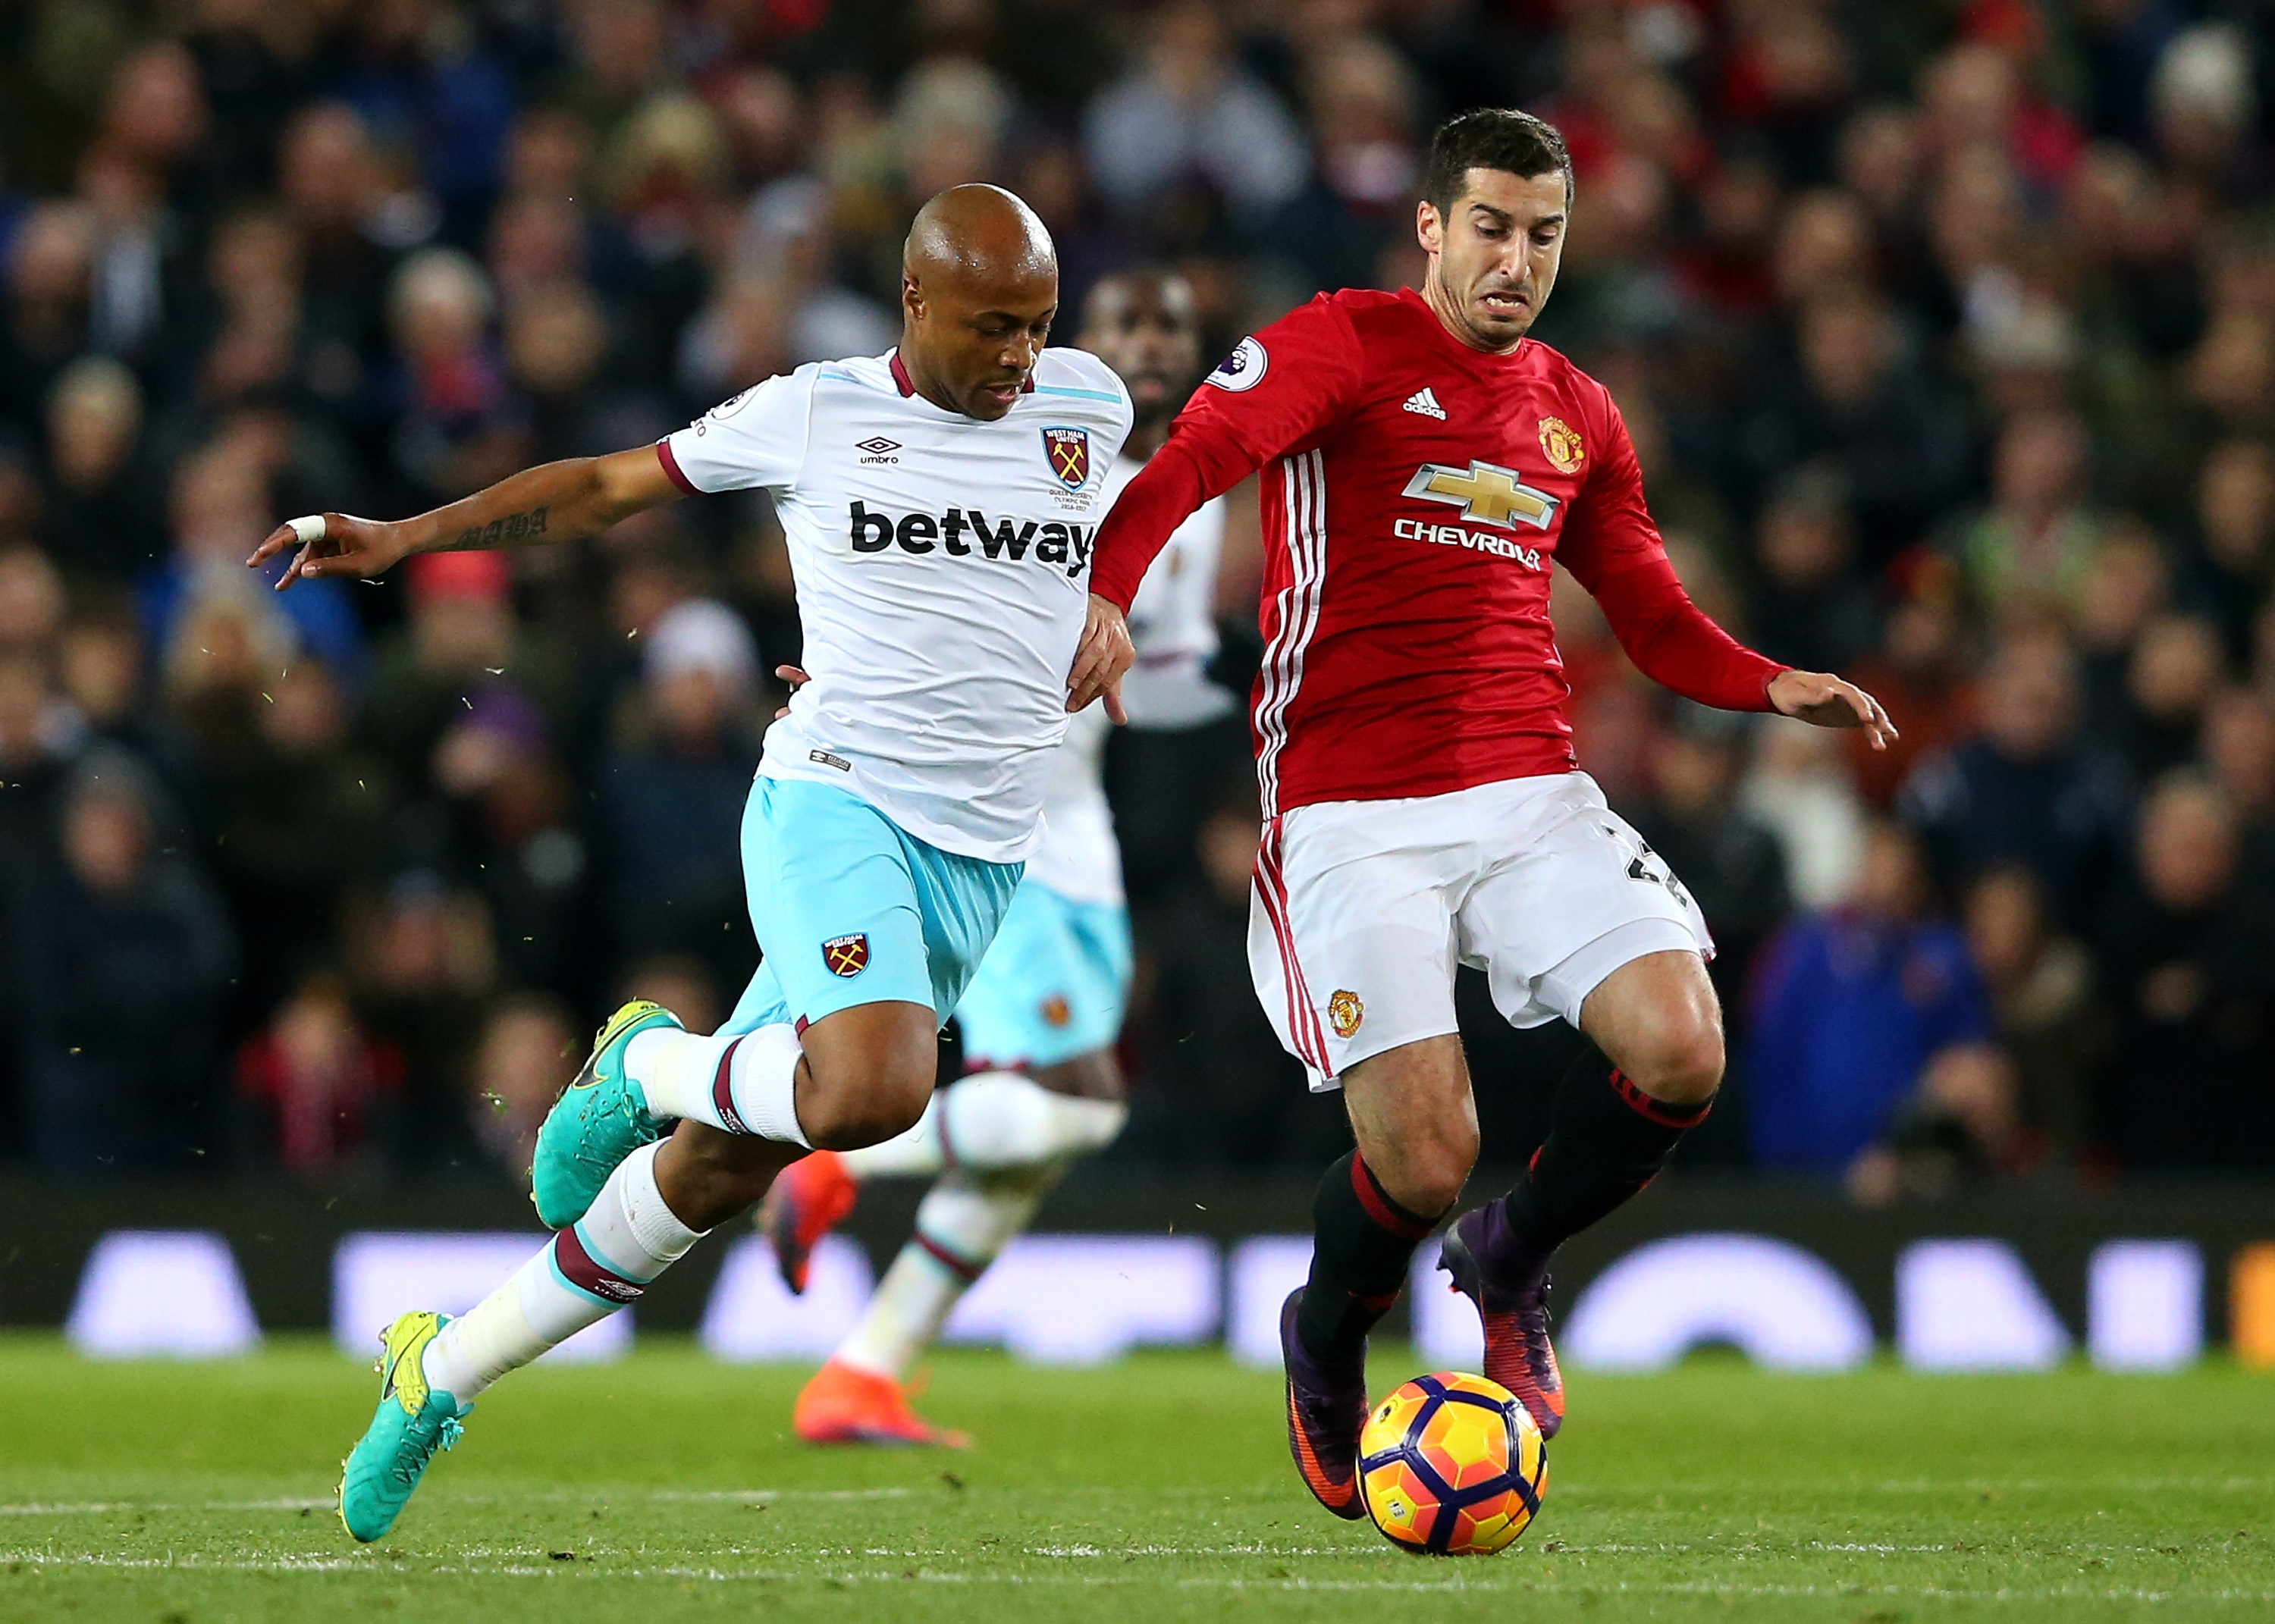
(1492, 137)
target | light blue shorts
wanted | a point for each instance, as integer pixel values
(849, 909)
(1054, 985)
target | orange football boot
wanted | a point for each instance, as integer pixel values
(810, 1198)
(1325, 1410)
(842, 1405)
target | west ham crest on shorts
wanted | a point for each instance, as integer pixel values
(1067, 450)
(847, 956)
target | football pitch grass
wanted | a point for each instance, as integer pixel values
(668, 1487)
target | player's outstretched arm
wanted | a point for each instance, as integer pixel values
(555, 502)
(1102, 660)
(1823, 700)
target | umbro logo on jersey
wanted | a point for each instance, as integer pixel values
(1424, 404)
(1486, 492)
(962, 534)
(878, 449)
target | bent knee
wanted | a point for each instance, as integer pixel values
(868, 1073)
(1425, 1172)
(1682, 1063)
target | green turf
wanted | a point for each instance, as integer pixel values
(666, 1487)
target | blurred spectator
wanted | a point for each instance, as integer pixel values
(2040, 983)
(2239, 747)
(1811, 609)
(103, 666)
(2029, 788)
(98, 507)
(1799, 789)
(297, 818)
(672, 793)
(49, 283)
(1733, 867)
(1852, 400)
(311, 1085)
(2176, 664)
(2188, 978)
(512, 808)
(2035, 541)
(1850, 1009)
(1919, 672)
(455, 432)
(422, 961)
(462, 637)
(123, 955)
(221, 509)
(529, 1052)
(2228, 567)
(2127, 586)
(1190, 114)
(1962, 1127)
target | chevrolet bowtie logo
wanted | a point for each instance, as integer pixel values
(1485, 491)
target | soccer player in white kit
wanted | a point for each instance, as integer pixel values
(1039, 1019)
(939, 504)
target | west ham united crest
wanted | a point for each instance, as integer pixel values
(847, 956)
(1067, 450)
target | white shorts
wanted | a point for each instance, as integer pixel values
(1362, 909)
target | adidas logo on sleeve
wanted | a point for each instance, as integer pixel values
(1424, 404)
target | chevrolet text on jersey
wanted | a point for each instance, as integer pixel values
(1054, 541)
(1476, 541)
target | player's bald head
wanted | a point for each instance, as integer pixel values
(980, 285)
(979, 233)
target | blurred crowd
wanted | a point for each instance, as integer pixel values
(1945, 331)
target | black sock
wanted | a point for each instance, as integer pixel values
(1362, 1242)
(1606, 1140)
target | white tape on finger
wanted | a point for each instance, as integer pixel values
(308, 527)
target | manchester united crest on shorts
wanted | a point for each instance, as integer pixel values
(1067, 452)
(1560, 444)
(1056, 1011)
(847, 956)
(1345, 1012)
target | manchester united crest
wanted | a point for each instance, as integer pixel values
(1056, 1011)
(846, 955)
(1067, 452)
(1560, 444)
(1345, 1012)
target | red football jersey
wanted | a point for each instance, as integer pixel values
(1415, 494)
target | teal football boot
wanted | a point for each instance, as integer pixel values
(600, 1118)
(411, 1423)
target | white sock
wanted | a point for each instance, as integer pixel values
(743, 1082)
(585, 1273)
(962, 1223)
(914, 1151)
(995, 1119)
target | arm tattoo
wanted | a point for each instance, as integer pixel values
(500, 532)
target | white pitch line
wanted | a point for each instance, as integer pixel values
(104, 1508)
(301, 1565)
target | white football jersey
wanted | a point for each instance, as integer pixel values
(1172, 626)
(942, 566)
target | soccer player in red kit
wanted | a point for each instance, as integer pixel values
(1424, 465)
